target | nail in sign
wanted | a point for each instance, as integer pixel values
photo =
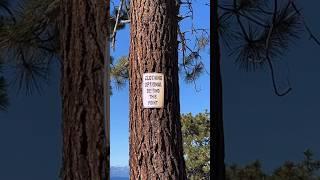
(153, 90)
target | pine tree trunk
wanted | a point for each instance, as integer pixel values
(83, 33)
(217, 146)
(155, 134)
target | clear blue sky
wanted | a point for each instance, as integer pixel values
(190, 100)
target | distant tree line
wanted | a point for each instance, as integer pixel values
(196, 141)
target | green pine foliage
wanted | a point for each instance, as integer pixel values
(196, 144)
(258, 33)
(119, 72)
(29, 44)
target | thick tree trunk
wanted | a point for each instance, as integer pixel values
(155, 134)
(217, 146)
(83, 33)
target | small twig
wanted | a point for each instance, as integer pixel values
(189, 4)
(10, 13)
(267, 53)
(183, 47)
(312, 36)
(195, 86)
(239, 21)
(226, 9)
(237, 12)
(223, 15)
(252, 20)
(274, 81)
(264, 11)
(113, 37)
(242, 27)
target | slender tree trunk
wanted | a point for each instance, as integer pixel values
(155, 134)
(217, 147)
(83, 33)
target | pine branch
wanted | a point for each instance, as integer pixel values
(114, 33)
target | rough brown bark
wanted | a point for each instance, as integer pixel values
(155, 134)
(217, 145)
(83, 33)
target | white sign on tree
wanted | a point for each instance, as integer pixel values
(153, 90)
